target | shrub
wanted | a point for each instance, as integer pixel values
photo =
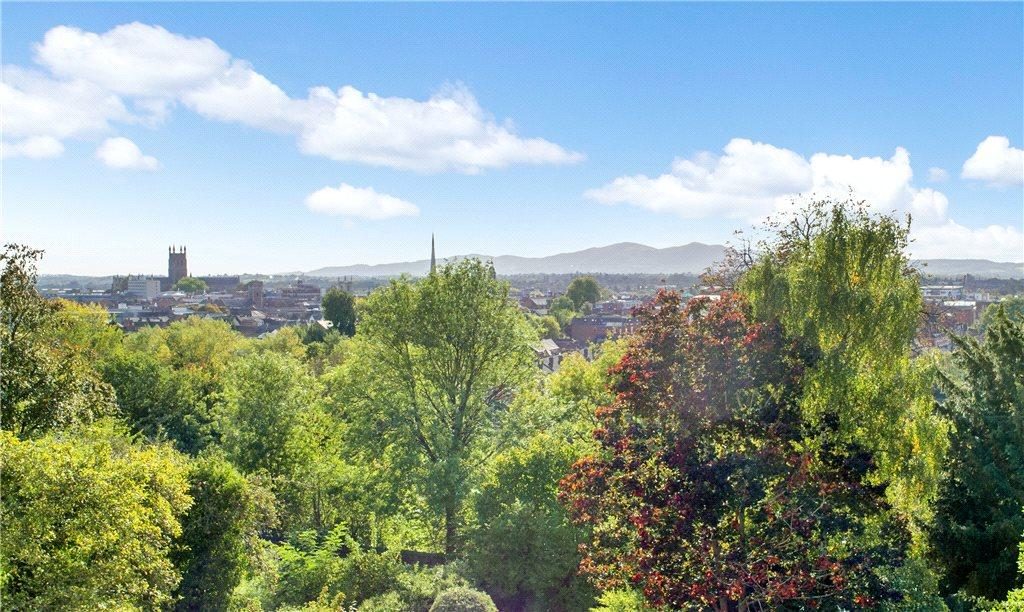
(463, 599)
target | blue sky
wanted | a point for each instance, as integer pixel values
(527, 129)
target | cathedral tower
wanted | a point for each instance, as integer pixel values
(177, 264)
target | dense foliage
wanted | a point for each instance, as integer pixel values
(979, 517)
(779, 446)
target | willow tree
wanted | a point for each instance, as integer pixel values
(837, 277)
(439, 365)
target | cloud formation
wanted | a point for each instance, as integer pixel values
(750, 180)
(359, 202)
(36, 147)
(137, 73)
(996, 163)
(123, 154)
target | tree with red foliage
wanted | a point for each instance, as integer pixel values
(709, 490)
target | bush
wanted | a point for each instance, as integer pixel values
(463, 599)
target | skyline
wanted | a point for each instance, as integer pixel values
(304, 136)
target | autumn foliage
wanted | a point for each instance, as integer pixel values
(709, 489)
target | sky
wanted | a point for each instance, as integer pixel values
(277, 137)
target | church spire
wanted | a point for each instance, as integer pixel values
(433, 259)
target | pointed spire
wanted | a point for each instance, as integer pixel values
(433, 258)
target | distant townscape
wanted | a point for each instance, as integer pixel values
(256, 306)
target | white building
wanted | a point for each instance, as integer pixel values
(143, 287)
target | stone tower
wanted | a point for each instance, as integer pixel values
(177, 264)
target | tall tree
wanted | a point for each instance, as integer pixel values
(443, 359)
(583, 290)
(707, 491)
(218, 533)
(339, 308)
(978, 516)
(837, 277)
(46, 378)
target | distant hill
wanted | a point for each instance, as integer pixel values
(622, 258)
(981, 268)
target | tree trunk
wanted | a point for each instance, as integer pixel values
(451, 528)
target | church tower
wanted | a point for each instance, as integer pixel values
(177, 264)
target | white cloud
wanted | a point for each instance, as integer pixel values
(996, 162)
(952, 240)
(124, 154)
(132, 59)
(752, 179)
(37, 147)
(937, 175)
(37, 105)
(362, 202)
(149, 69)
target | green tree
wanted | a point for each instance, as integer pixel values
(266, 396)
(339, 308)
(441, 362)
(162, 403)
(46, 379)
(219, 533)
(583, 290)
(978, 518)
(191, 284)
(194, 343)
(525, 549)
(1013, 308)
(90, 518)
(836, 277)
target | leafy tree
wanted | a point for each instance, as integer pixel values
(162, 403)
(546, 326)
(524, 548)
(580, 387)
(1012, 306)
(563, 310)
(583, 290)
(46, 379)
(219, 533)
(194, 343)
(339, 308)
(837, 277)
(90, 518)
(190, 284)
(441, 362)
(708, 491)
(978, 517)
(266, 396)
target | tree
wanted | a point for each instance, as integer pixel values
(837, 277)
(708, 491)
(90, 518)
(162, 403)
(339, 308)
(219, 533)
(265, 398)
(1012, 306)
(46, 379)
(441, 362)
(525, 549)
(191, 284)
(583, 290)
(978, 518)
